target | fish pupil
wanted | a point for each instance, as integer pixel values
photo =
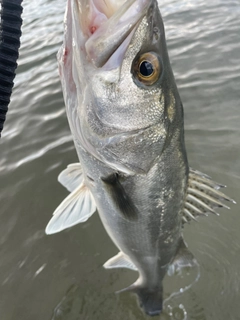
(146, 68)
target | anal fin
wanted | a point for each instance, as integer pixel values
(120, 261)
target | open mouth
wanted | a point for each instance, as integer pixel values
(108, 26)
(100, 11)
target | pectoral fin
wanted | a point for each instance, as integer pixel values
(120, 261)
(76, 208)
(71, 177)
(203, 196)
(120, 198)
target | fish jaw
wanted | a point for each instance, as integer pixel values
(105, 26)
(114, 35)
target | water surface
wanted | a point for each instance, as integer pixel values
(61, 277)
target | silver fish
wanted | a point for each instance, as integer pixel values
(126, 118)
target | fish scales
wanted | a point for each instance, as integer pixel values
(126, 118)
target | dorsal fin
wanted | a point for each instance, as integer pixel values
(203, 196)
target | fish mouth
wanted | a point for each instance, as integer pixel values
(108, 27)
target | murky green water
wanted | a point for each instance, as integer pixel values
(61, 277)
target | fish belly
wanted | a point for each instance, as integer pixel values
(158, 198)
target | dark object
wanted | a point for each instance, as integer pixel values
(10, 33)
(120, 198)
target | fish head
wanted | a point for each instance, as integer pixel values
(125, 88)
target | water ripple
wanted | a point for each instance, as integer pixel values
(203, 39)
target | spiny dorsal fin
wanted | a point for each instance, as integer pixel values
(76, 208)
(71, 177)
(120, 261)
(203, 196)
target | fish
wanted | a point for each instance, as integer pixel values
(126, 118)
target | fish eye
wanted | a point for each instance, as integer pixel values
(147, 68)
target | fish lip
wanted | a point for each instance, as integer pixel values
(114, 35)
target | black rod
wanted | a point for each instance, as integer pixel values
(10, 33)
